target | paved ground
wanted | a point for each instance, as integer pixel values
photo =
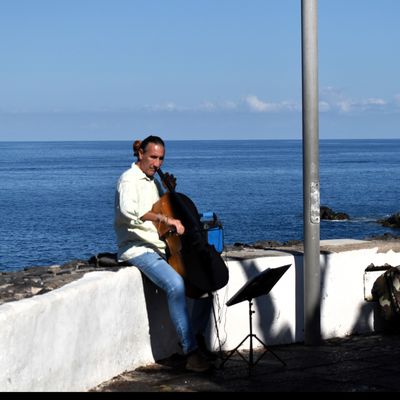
(368, 363)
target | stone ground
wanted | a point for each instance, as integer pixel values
(364, 363)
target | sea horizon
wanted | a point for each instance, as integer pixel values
(193, 140)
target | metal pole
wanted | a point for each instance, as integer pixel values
(311, 193)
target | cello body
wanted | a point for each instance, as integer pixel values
(190, 254)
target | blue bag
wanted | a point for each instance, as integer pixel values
(213, 230)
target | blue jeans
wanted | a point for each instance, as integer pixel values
(165, 277)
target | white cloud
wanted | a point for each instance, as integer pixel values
(344, 105)
(361, 105)
(331, 99)
(205, 106)
(324, 106)
(257, 105)
(208, 106)
(168, 106)
(216, 106)
(375, 102)
(335, 99)
(229, 105)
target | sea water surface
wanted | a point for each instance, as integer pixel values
(57, 198)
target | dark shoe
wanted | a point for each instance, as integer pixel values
(201, 342)
(197, 362)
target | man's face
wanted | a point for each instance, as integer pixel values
(151, 159)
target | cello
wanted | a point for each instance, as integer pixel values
(198, 262)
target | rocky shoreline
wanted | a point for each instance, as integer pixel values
(38, 280)
(32, 281)
(326, 213)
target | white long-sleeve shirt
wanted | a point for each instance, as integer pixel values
(135, 195)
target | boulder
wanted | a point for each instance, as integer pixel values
(392, 222)
(328, 214)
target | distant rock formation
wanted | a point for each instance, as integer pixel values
(392, 222)
(327, 214)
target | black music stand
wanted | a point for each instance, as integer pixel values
(256, 286)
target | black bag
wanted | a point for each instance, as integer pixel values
(107, 260)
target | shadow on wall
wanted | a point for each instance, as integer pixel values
(299, 298)
(163, 338)
(266, 310)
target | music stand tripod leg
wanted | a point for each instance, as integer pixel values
(233, 351)
(260, 284)
(250, 335)
(267, 349)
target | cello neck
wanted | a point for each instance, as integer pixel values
(166, 181)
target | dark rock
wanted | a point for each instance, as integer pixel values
(328, 214)
(266, 244)
(293, 243)
(392, 222)
(386, 236)
(75, 264)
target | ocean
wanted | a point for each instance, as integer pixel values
(57, 198)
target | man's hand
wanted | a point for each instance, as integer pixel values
(179, 228)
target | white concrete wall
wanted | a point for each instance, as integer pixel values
(77, 336)
(278, 317)
(275, 316)
(80, 335)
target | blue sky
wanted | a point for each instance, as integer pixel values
(194, 69)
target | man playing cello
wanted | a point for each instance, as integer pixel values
(139, 244)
